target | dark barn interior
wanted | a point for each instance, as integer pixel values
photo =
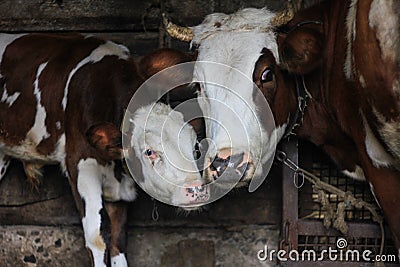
(42, 227)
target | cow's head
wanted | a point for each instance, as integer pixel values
(248, 42)
(160, 151)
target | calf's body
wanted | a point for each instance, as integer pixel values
(62, 101)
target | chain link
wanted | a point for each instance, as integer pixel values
(297, 172)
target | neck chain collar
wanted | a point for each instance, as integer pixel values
(301, 94)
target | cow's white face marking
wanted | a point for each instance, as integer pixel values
(234, 41)
(357, 174)
(38, 132)
(378, 155)
(90, 189)
(107, 49)
(163, 147)
(384, 18)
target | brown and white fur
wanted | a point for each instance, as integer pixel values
(349, 61)
(62, 100)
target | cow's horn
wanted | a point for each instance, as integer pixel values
(178, 32)
(284, 16)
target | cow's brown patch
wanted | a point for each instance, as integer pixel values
(19, 68)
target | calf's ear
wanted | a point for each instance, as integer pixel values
(106, 138)
(301, 50)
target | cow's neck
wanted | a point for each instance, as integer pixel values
(320, 122)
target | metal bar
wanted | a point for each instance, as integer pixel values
(290, 197)
(364, 230)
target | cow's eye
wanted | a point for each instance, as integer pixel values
(267, 75)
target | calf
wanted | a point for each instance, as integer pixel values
(62, 102)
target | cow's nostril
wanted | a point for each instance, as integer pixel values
(237, 159)
(242, 169)
(219, 165)
(236, 164)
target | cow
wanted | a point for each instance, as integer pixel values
(330, 74)
(62, 102)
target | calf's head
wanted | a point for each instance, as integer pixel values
(159, 149)
(165, 147)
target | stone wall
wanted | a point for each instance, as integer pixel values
(43, 228)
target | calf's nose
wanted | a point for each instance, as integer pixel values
(195, 192)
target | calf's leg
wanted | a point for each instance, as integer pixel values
(86, 183)
(117, 212)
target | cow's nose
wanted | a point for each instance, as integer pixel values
(236, 163)
(219, 165)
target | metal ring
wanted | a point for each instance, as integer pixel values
(281, 156)
(294, 179)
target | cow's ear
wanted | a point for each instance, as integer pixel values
(106, 138)
(161, 59)
(301, 50)
(165, 58)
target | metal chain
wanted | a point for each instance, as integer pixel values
(154, 214)
(281, 157)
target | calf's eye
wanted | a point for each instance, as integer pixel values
(149, 152)
(151, 155)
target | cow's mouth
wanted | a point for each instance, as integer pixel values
(229, 170)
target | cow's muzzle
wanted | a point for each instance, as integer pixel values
(237, 167)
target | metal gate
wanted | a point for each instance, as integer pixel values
(302, 223)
